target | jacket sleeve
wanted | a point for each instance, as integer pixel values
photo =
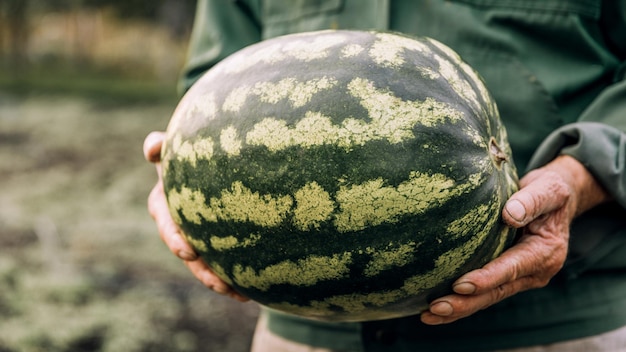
(597, 140)
(220, 28)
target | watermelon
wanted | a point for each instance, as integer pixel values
(340, 175)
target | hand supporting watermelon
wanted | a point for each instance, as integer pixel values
(549, 199)
(169, 231)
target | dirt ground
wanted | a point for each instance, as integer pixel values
(81, 264)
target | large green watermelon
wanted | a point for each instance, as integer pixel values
(340, 175)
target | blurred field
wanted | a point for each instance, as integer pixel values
(81, 264)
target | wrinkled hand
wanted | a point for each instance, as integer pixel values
(548, 200)
(169, 231)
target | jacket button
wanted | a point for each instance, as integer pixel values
(385, 337)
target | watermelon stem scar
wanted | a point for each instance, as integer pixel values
(497, 155)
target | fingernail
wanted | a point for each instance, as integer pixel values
(516, 210)
(464, 288)
(186, 255)
(442, 308)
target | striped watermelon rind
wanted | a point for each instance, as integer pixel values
(340, 175)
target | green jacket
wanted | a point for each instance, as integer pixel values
(556, 69)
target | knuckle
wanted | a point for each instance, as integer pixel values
(558, 189)
(501, 292)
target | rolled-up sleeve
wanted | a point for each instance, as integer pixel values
(597, 140)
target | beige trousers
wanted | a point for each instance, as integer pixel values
(613, 341)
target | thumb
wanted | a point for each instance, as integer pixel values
(540, 196)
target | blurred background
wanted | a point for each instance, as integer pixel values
(82, 268)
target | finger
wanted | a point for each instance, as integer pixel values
(454, 307)
(168, 230)
(500, 271)
(535, 256)
(152, 146)
(538, 197)
(206, 276)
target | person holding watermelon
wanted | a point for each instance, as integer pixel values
(557, 70)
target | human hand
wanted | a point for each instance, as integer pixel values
(169, 231)
(548, 200)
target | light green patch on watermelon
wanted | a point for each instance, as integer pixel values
(392, 119)
(502, 242)
(510, 174)
(471, 74)
(236, 99)
(272, 93)
(468, 223)
(242, 205)
(395, 118)
(351, 50)
(475, 136)
(223, 243)
(313, 206)
(305, 49)
(298, 93)
(371, 203)
(185, 118)
(304, 272)
(238, 204)
(314, 129)
(450, 72)
(198, 244)
(490, 105)
(477, 179)
(355, 303)
(448, 264)
(309, 50)
(271, 133)
(230, 142)
(428, 72)
(191, 203)
(386, 259)
(231, 242)
(200, 149)
(205, 105)
(389, 49)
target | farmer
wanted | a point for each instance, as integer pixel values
(556, 69)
